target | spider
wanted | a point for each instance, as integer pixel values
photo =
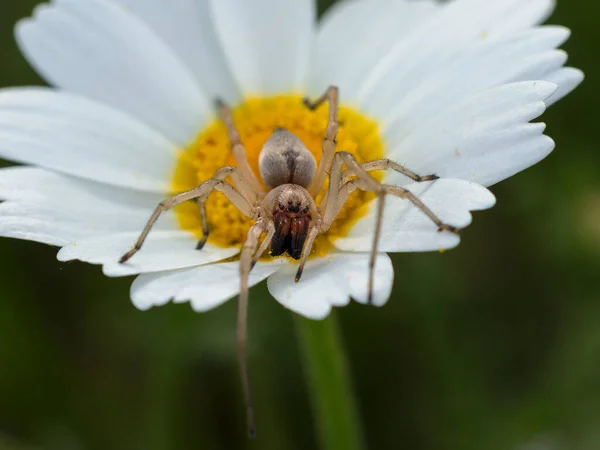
(287, 213)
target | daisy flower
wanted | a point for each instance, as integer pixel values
(441, 88)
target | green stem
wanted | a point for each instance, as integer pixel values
(329, 384)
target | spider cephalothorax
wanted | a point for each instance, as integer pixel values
(286, 213)
(291, 216)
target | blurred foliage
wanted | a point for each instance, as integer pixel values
(494, 345)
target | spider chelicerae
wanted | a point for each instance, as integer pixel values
(286, 213)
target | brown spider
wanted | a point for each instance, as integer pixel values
(287, 212)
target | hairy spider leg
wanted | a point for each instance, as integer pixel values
(205, 188)
(237, 148)
(331, 95)
(339, 190)
(243, 188)
(264, 244)
(248, 251)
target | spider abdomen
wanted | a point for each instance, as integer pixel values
(284, 159)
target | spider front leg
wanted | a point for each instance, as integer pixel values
(340, 188)
(203, 190)
(243, 187)
(248, 251)
(331, 95)
(270, 226)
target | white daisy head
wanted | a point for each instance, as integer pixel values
(440, 88)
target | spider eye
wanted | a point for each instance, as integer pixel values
(289, 202)
(305, 210)
(281, 207)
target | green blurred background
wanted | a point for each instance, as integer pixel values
(494, 345)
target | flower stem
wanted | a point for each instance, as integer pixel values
(326, 370)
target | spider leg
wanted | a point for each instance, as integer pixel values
(270, 226)
(242, 321)
(310, 239)
(339, 191)
(204, 189)
(373, 185)
(406, 194)
(387, 164)
(242, 186)
(237, 148)
(331, 96)
(323, 223)
(204, 221)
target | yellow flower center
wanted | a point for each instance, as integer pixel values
(255, 120)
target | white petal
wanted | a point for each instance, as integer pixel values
(39, 186)
(566, 79)
(57, 209)
(383, 22)
(520, 15)
(77, 136)
(100, 49)
(267, 42)
(407, 229)
(62, 225)
(36, 223)
(186, 26)
(486, 138)
(528, 55)
(331, 281)
(162, 250)
(357, 277)
(447, 35)
(206, 287)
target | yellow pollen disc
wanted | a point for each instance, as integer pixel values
(255, 120)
